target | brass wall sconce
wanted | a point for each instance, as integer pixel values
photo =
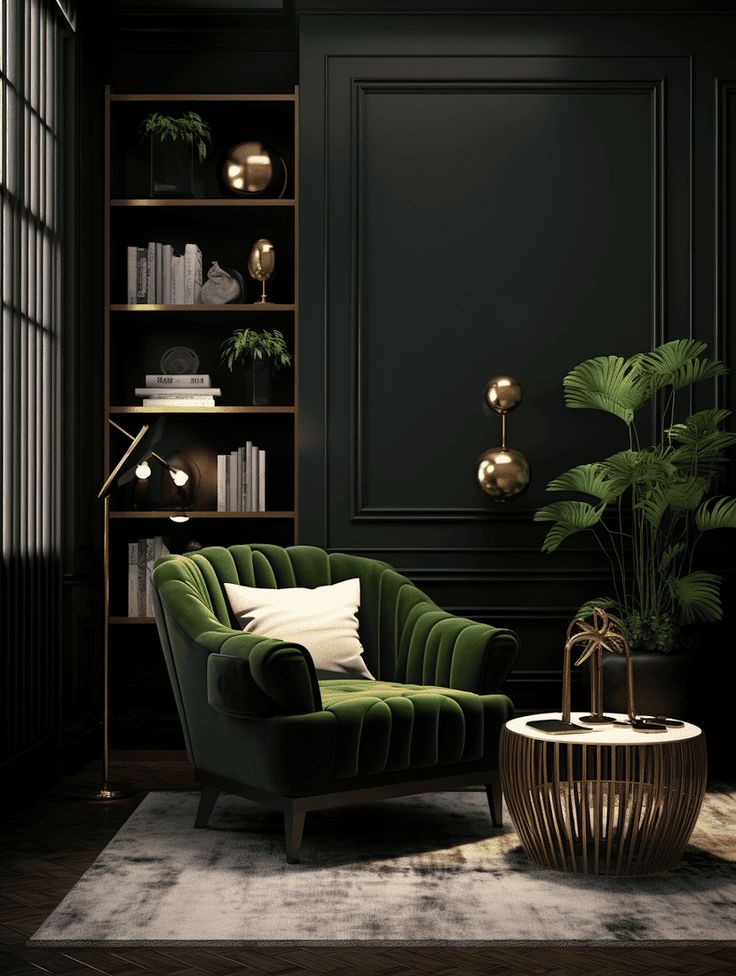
(503, 473)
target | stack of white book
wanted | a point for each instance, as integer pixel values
(159, 275)
(241, 480)
(178, 390)
(142, 556)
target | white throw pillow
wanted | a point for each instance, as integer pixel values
(323, 619)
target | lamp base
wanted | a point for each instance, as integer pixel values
(597, 719)
(109, 791)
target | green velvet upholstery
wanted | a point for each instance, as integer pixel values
(254, 714)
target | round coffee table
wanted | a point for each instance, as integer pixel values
(610, 801)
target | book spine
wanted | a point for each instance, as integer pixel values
(141, 577)
(221, 470)
(141, 281)
(178, 380)
(163, 392)
(198, 277)
(227, 483)
(261, 481)
(133, 610)
(189, 270)
(132, 274)
(247, 499)
(176, 401)
(241, 479)
(149, 574)
(177, 277)
(233, 475)
(253, 478)
(167, 253)
(159, 292)
(151, 274)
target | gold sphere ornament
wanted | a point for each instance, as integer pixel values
(251, 169)
(502, 394)
(503, 473)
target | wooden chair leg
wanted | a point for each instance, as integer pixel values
(294, 828)
(206, 804)
(495, 799)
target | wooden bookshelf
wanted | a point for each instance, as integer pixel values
(136, 335)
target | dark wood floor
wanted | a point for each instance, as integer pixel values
(47, 846)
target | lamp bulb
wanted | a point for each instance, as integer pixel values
(143, 470)
(179, 518)
(179, 477)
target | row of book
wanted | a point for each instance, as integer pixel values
(241, 480)
(160, 275)
(178, 390)
(142, 556)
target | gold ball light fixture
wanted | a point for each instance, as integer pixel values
(503, 473)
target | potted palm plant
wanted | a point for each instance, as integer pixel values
(259, 352)
(173, 140)
(649, 505)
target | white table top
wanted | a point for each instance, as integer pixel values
(601, 735)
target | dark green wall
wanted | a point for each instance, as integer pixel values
(492, 194)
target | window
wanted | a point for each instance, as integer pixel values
(31, 43)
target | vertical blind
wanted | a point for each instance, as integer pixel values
(31, 40)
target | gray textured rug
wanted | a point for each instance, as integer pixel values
(426, 869)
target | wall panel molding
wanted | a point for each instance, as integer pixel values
(653, 88)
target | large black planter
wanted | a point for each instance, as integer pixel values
(664, 684)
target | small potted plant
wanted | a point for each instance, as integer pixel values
(259, 352)
(173, 140)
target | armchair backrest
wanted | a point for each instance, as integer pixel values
(388, 599)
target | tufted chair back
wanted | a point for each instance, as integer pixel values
(390, 603)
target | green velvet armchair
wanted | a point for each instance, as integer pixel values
(258, 723)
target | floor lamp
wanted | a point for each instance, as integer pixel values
(133, 463)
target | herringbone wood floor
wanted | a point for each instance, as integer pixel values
(46, 847)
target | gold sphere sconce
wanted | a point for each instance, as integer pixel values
(503, 473)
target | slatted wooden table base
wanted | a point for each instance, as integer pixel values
(609, 802)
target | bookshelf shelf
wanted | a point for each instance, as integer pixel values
(200, 410)
(209, 309)
(132, 620)
(205, 514)
(204, 202)
(159, 97)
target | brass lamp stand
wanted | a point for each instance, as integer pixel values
(137, 453)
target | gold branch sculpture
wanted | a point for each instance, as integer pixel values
(604, 633)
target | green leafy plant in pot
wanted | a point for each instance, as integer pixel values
(173, 140)
(649, 505)
(259, 352)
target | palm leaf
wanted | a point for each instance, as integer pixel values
(698, 596)
(589, 479)
(684, 494)
(698, 424)
(600, 603)
(629, 468)
(664, 365)
(570, 517)
(606, 383)
(670, 554)
(720, 515)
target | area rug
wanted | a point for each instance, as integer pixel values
(418, 870)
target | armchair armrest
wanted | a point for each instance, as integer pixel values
(253, 676)
(439, 648)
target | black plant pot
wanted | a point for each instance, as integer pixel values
(172, 169)
(664, 684)
(258, 381)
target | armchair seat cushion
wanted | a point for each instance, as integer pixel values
(387, 726)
